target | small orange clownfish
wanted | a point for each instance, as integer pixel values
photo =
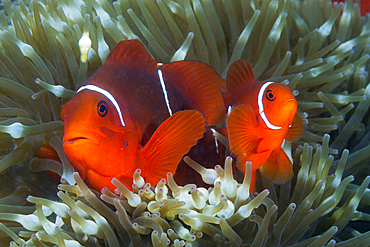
(135, 113)
(261, 115)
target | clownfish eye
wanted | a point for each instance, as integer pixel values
(102, 108)
(270, 95)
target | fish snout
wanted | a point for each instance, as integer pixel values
(291, 104)
(288, 109)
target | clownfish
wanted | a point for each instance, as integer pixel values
(136, 113)
(261, 115)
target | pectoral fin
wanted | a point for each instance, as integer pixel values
(242, 129)
(170, 142)
(296, 130)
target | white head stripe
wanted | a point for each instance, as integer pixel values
(164, 91)
(106, 94)
(261, 110)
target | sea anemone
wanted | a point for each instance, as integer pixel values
(320, 49)
(225, 214)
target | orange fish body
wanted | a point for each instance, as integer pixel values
(261, 116)
(134, 113)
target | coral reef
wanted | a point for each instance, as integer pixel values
(320, 49)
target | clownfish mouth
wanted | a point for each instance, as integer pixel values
(71, 138)
(290, 105)
(288, 101)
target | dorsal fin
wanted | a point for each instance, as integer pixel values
(240, 73)
(129, 52)
(200, 85)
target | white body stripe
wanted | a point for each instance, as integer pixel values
(106, 94)
(164, 91)
(261, 109)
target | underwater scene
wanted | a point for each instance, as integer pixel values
(184, 123)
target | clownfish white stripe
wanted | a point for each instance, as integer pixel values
(261, 109)
(164, 91)
(106, 94)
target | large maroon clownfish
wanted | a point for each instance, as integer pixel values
(136, 113)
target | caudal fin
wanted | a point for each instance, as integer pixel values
(170, 142)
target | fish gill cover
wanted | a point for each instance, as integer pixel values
(49, 48)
